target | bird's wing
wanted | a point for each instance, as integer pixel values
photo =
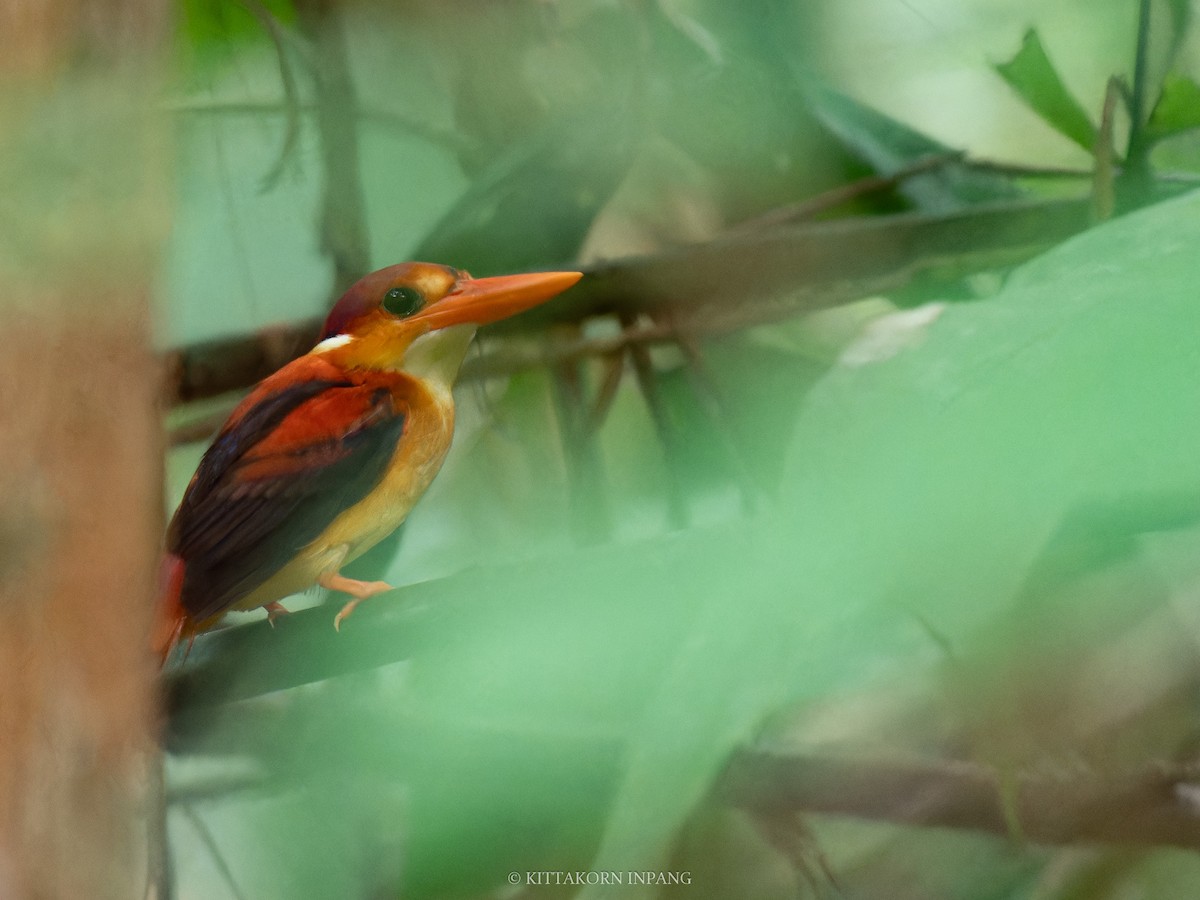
(306, 445)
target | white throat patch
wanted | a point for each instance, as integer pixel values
(332, 343)
(438, 355)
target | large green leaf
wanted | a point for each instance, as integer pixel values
(924, 487)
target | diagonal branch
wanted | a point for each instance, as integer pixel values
(1156, 805)
(708, 288)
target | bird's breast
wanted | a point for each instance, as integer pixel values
(428, 432)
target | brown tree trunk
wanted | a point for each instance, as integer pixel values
(82, 205)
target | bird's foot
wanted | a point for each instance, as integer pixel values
(275, 610)
(359, 590)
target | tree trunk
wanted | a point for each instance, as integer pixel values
(82, 206)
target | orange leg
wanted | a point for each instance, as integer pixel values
(359, 590)
(275, 609)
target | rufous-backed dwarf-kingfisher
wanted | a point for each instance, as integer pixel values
(326, 457)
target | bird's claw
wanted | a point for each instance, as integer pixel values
(359, 590)
(345, 613)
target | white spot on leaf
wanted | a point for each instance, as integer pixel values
(886, 336)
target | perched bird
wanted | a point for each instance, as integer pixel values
(326, 457)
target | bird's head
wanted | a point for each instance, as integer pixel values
(420, 317)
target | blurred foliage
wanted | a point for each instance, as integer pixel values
(968, 533)
(1156, 102)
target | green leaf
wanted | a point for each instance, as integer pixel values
(888, 146)
(1031, 74)
(926, 485)
(1074, 381)
(1177, 110)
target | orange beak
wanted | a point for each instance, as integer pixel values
(478, 301)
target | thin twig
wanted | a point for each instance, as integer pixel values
(839, 196)
(210, 843)
(511, 360)
(647, 378)
(370, 114)
(221, 788)
(590, 519)
(712, 404)
(789, 834)
(291, 94)
(344, 235)
(1103, 195)
(614, 370)
(160, 876)
(1022, 170)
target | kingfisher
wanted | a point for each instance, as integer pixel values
(327, 456)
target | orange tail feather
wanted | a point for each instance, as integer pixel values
(172, 621)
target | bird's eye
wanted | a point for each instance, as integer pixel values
(403, 301)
